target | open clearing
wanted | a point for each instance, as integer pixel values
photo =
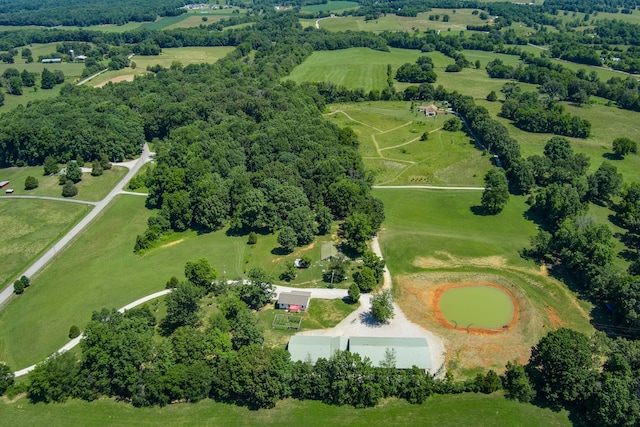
(123, 78)
(30, 226)
(390, 142)
(436, 239)
(91, 188)
(100, 270)
(443, 411)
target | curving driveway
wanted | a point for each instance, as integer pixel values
(134, 166)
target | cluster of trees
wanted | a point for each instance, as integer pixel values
(529, 113)
(86, 12)
(420, 72)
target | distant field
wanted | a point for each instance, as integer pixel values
(331, 6)
(91, 188)
(353, 68)
(478, 410)
(185, 55)
(390, 143)
(163, 22)
(28, 227)
(458, 21)
(194, 18)
(100, 270)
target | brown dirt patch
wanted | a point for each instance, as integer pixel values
(434, 304)
(544, 272)
(446, 260)
(417, 294)
(168, 245)
(554, 318)
(125, 78)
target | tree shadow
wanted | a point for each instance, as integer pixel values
(479, 211)
(279, 251)
(628, 255)
(367, 319)
(348, 300)
(612, 156)
(615, 220)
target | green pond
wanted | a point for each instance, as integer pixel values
(484, 307)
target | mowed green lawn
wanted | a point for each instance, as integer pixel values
(428, 223)
(100, 270)
(28, 227)
(91, 188)
(390, 142)
(478, 410)
(353, 68)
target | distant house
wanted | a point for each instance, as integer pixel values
(429, 110)
(305, 348)
(4, 183)
(328, 251)
(80, 57)
(294, 300)
(51, 60)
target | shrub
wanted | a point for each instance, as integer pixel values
(30, 183)
(253, 238)
(74, 332)
(69, 189)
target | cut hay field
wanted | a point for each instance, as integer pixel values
(100, 270)
(30, 226)
(91, 188)
(353, 68)
(478, 410)
(185, 55)
(458, 21)
(331, 6)
(390, 142)
(432, 238)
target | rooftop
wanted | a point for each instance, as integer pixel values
(408, 351)
(294, 298)
(311, 348)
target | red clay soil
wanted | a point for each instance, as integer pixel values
(434, 303)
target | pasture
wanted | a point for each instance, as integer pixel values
(91, 188)
(432, 238)
(443, 411)
(28, 227)
(458, 21)
(184, 55)
(391, 144)
(331, 6)
(100, 270)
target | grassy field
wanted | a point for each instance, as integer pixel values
(101, 270)
(322, 314)
(28, 227)
(458, 21)
(390, 143)
(476, 410)
(91, 188)
(353, 68)
(331, 6)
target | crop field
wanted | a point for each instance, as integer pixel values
(479, 410)
(30, 226)
(91, 188)
(432, 238)
(458, 21)
(391, 144)
(100, 270)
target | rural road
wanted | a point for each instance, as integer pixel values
(134, 167)
(56, 199)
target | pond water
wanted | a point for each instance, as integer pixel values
(486, 307)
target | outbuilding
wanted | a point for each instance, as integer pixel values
(294, 300)
(4, 183)
(407, 352)
(310, 348)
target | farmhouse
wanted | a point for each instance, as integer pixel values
(294, 300)
(429, 110)
(311, 348)
(328, 251)
(4, 184)
(408, 352)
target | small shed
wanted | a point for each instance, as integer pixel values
(408, 352)
(4, 183)
(328, 251)
(311, 348)
(294, 299)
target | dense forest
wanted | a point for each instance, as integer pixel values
(83, 13)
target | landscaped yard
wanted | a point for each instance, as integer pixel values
(100, 270)
(391, 144)
(30, 226)
(91, 188)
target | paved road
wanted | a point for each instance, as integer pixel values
(75, 231)
(428, 187)
(57, 199)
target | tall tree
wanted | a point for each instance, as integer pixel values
(382, 306)
(496, 192)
